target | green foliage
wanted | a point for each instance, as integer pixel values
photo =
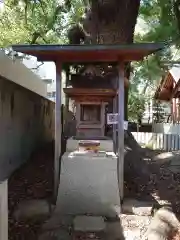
(76, 13)
(161, 25)
(45, 21)
(136, 106)
(12, 23)
(160, 20)
(146, 76)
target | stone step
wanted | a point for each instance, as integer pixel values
(89, 224)
(29, 209)
(58, 221)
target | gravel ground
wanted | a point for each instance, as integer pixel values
(34, 180)
(135, 227)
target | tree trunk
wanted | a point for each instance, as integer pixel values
(112, 22)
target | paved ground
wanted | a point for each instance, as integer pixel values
(130, 227)
(35, 180)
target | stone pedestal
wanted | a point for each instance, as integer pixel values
(88, 184)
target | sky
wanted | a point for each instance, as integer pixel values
(175, 72)
(46, 71)
(141, 26)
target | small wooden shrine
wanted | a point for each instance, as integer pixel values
(90, 104)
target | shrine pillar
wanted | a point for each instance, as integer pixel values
(121, 129)
(115, 125)
(177, 110)
(58, 129)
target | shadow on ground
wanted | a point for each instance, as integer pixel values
(34, 180)
(152, 175)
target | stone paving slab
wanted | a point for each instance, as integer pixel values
(163, 158)
(57, 221)
(30, 209)
(175, 161)
(174, 169)
(174, 165)
(89, 223)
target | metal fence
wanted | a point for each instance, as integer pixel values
(167, 142)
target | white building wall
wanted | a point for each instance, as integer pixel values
(17, 72)
(26, 122)
(51, 90)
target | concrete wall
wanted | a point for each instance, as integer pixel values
(4, 210)
(26, 121)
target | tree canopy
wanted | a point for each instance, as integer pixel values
(50, 21)
(160, 20)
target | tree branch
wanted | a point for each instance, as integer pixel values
(36, 35)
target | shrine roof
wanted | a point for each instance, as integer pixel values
(89, 53)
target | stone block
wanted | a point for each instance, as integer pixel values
(164, 158)
(88, 185)
(57, 221)
(89, 224)
(32, 209)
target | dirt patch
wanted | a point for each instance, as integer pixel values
(163, 185)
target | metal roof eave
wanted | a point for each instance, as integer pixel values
(95, 53)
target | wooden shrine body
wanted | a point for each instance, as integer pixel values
(90, 113)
